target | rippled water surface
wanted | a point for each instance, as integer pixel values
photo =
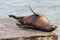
(50, 8)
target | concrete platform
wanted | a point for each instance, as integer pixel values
(9, 30)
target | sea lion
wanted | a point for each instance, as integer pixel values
(38, 21)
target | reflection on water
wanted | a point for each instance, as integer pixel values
(50, 8)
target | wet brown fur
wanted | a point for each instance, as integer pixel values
(38, 21)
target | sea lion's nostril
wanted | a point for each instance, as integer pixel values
(53, 27)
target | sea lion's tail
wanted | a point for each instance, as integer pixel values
(13, 16)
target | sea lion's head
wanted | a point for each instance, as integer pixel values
(42, 23)
(49, 28)
(52, 27)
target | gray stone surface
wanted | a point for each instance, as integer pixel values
(9, 29)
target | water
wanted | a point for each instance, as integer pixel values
(50, 8)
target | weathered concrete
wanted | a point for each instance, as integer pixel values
(9, 30)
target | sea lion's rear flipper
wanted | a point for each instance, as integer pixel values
(13, 16)
(33, 12)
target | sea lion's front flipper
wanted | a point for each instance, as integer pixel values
(34, 12)
(13, 16)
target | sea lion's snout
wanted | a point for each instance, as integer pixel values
(54, 27)
(50, 28)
